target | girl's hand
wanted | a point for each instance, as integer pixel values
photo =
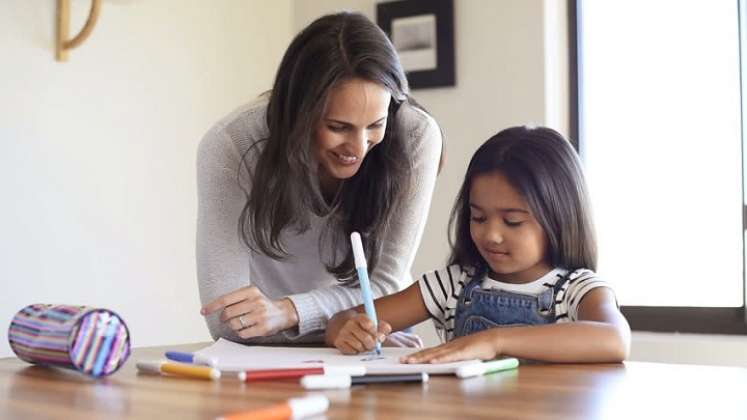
(482, 345)
(358, 334)
(251, 314)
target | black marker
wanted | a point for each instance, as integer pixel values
(346, 381)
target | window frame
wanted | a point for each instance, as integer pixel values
(683, 319)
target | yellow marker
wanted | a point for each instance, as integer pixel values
(180, 369)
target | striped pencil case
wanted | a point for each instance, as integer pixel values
(90, 340)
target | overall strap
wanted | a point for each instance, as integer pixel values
(474, 282)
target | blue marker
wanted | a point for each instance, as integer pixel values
(362, 268)
(179, 356)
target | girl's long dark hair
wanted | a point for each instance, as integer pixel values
(545, 169)
(285, 182)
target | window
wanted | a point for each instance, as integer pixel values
(659, 123)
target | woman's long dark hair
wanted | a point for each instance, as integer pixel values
(285, 182)
(545, 169)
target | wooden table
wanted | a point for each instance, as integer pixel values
(631, 391)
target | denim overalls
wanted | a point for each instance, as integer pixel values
(479, 309)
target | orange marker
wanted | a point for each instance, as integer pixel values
(294, 408)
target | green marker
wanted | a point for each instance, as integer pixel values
(479, 369)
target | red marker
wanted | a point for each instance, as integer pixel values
(273, 374)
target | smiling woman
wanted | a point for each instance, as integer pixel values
(336, 146)
(353, 122)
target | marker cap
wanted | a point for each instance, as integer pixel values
(358, 254)
(470, 370)
(325, 381)
(205, 360)
(477, 369)
(149, 366)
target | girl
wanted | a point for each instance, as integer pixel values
(520, 280)
(336, 146)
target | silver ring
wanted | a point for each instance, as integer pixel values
(241, 321)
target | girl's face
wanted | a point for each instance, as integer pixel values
(354, 121)
(505, 231)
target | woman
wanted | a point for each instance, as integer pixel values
(337, 146)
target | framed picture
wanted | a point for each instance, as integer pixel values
(422, 31)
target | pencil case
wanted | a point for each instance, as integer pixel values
(94, 341)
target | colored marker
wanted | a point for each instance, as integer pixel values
(196, 359)
(294, 408)
(362, 267)
(179, 369)
(493, 366)
(272, 374)
(346, 381)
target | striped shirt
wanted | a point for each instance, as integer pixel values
(441, 290)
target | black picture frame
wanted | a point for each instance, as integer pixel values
(412, 25)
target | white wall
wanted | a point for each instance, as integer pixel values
(97, 155)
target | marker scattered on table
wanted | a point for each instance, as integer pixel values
(183, 357)
(362, 267)
(273, 374)
(294, 408)
(479, 369)
(346, 381)
(180, 369)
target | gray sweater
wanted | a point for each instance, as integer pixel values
(224, 264)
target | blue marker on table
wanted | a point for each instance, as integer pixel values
(179, 356)
(362, 268)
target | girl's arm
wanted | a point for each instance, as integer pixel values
(600, 335)
(352, 331)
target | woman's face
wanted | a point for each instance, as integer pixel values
(353, 121)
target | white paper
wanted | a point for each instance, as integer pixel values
(234, 356)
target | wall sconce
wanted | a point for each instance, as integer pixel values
(64, 45)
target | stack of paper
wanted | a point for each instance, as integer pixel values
(234, 356)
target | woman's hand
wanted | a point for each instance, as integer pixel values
(251, 314)
(483, 345)
(357, 333)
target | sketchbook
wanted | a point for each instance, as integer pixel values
(233, 356)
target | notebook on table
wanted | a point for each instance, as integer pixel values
(233, 356)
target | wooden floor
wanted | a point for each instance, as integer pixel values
(631, 391)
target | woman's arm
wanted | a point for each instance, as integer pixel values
(352, 331)
(600, 335)
(222, 261)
